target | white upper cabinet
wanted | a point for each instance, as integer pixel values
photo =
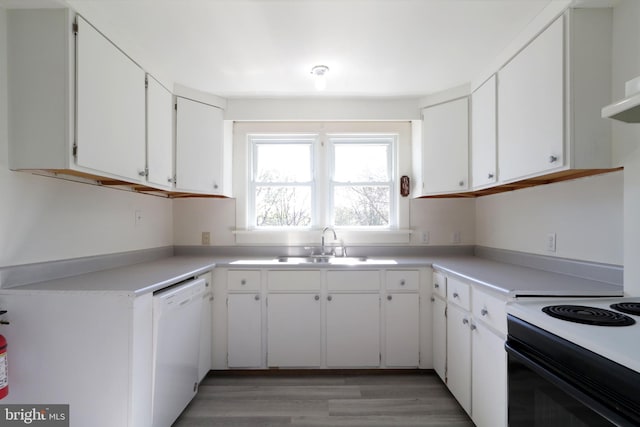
(200, 148)
(549, 99)
(110, 116)
(531, 102)
(159, 134)
(483, 134)
(445, 147)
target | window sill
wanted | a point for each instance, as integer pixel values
(312, 237)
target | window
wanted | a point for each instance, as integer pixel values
(362, 180)
(308, 181)
(282, 185)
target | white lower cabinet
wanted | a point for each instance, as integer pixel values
(459, 355)
(488, 378)
(439, 325)
(402, 332)
(353, 330)
(206, 329)
(244, 330)
(293, 330)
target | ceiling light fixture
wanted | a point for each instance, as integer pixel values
(319, 73)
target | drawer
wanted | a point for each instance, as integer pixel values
(243, 280)
(490, 309)
(459, 293)
(359, 280)
(403, 280)
(439, 284)
(298, 280)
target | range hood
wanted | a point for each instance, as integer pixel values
(627, 109)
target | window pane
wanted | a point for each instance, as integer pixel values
(361, 205)
(283, 163)
(283, 206)
(361, 162)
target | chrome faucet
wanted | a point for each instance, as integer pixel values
(322, 238)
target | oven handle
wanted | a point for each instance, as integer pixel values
(547, 371)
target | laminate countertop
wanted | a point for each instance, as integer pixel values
(135, 279)
(507, 279)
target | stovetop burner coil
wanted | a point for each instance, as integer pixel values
(627, 307)
(588, 315)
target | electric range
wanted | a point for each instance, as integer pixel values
(580, 371)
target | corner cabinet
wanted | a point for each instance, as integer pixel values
(549, 99)
(445, 148)
(79, 109)
(200, 149)
(484, 171)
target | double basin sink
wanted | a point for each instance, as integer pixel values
(318, 259)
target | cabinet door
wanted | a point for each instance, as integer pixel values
(110, 107)
(353, 330)
(445, 136)
(293, 325)
(199, 143)
(244, 331)
(531, 108)
(206, 330)
(489, 378)
(402, 337)
(439, 324)
(159, 134)
(483, 134)
(459, 355)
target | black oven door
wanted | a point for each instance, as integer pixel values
(554, 383)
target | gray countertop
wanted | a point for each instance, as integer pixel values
(136, 279)
(508, 279)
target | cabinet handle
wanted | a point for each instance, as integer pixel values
(170, 180)
(243, 282)
(433, 299)
(257, 298)
(211, 298)
(317, 297)
(389, 297)
(461, 183)
(490, 176)
(142, 172)
(435, 285)
(553, 159)
(455, 295)
(402, 282)
(484, 312)
(215, 186)
(329, 298)
(465, 321)
(473, 327)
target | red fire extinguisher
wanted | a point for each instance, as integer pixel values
(4, 378)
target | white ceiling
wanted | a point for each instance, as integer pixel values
(263, 48)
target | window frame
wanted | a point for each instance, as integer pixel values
(277, 139)
(363, 139)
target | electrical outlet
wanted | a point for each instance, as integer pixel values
(138, 218)
(425, 237)
(551, 242)
(456, 237)
(206, 238)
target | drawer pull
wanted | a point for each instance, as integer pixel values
(473, 327)
(317, 297)
(243, 282)
(402, 282)
(484, 312)
(257, 298)
(455, 295)
(329, 298)
(389, 297)
(435, 285)
(465, 321)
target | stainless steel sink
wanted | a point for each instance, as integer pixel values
(319, 259)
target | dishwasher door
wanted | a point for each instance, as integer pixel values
(176, 348)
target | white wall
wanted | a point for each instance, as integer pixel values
(440, 217)
(626, 137)
(586, 215)
(44, 219)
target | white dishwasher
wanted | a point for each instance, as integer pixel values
(176, 348)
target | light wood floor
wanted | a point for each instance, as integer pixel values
(323, 400)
